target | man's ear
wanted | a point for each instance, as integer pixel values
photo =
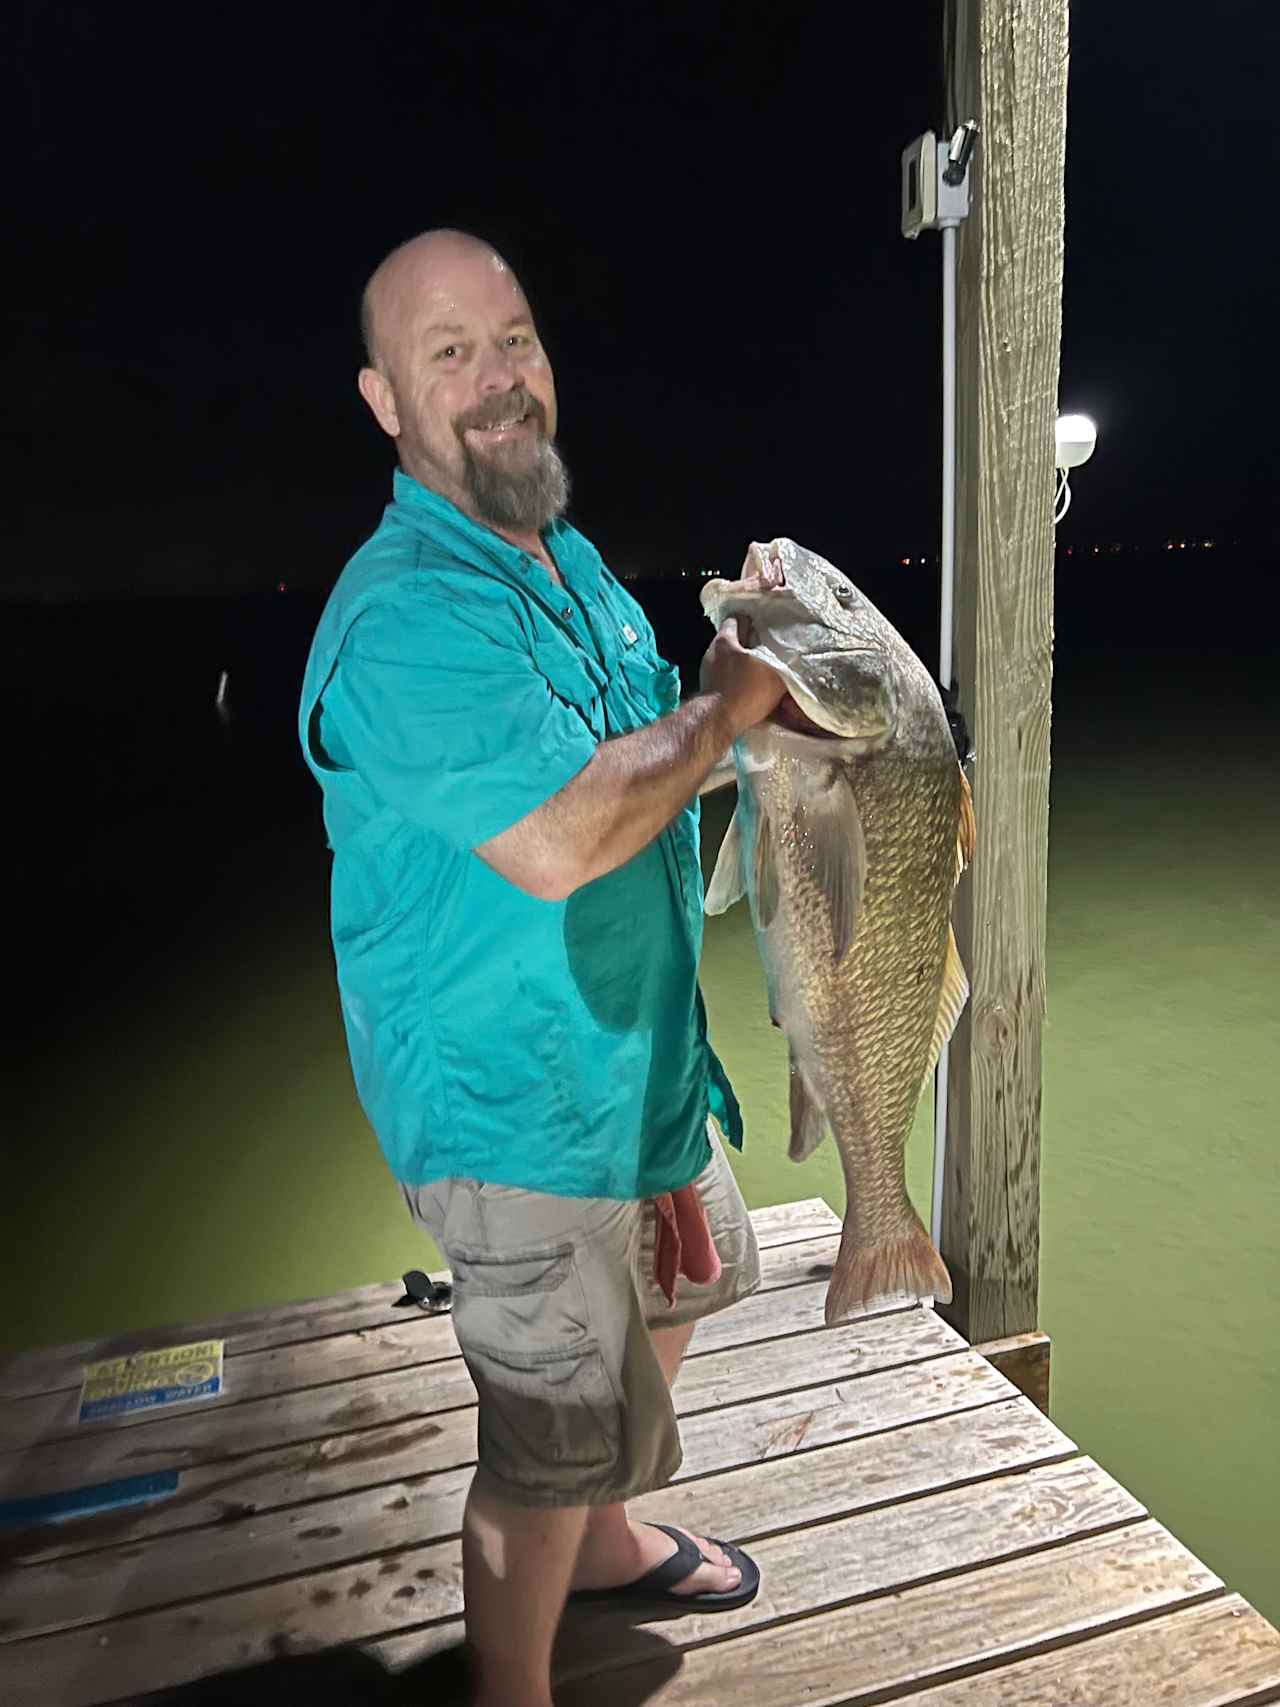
(377, 393)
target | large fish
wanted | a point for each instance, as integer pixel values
(854, 822)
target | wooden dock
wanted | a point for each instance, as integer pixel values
(924, 1532)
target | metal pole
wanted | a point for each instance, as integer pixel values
(945, 628)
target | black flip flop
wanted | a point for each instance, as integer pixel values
(658, 1585)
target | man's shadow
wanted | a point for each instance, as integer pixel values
(347, 1677)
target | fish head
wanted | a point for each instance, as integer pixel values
(801, 616)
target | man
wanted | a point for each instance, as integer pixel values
(510, 795)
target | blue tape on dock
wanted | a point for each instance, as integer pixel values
(79, 1502)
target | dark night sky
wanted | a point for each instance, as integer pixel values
(705, 216)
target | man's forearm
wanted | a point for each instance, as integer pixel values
(626, 794)
(636, 784)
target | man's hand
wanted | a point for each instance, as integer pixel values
(750, 689)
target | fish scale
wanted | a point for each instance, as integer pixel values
(861, 1026)
(872, 1016)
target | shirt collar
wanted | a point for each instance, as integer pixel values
(577, 560)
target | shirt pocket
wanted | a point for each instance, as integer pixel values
(574, 679)
(652, 685)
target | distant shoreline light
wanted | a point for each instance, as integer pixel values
(1078, 548)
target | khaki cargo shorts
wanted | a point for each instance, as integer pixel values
(553, 1301)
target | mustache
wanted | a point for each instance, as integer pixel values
(515, 402)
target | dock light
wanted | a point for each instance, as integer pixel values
(1075, 437)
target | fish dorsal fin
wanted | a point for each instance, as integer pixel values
(727, 881)
(967, 829)
(829, 826)
(808, 1121)
(955, 993)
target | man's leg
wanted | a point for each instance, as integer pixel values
(517, 1562)
(616, 1550)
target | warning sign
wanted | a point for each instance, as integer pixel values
(173, 1376)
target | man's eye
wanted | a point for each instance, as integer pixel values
(519, 338)
(447, 354)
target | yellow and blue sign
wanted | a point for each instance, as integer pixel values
(173, 1376)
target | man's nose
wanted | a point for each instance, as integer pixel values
(499, 368)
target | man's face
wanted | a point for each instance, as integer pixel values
(474, 396)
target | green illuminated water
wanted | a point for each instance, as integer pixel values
(190, 1143)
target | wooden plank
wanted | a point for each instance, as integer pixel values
(1223, 1654)
(1024, 1360)
(438, 1400)
(905, 1640)
(871, 1554)
(1007, 67)
(804, 1260)
(420, 1344)
(771, 1314)
(776, 1366)
(767, 1315)
(406, 1342)
(232, 1494)
(49, 1368)
(794, 1422)
(852, 1476)
(785, 1223)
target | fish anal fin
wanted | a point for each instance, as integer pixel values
(967, 828)
(727, 881)
(829, 825)
(955, 993)
(808, 1121)
(897, 1270)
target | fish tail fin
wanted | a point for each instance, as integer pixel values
(896, 1270)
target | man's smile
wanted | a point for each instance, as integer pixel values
(518, 426)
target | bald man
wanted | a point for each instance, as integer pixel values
(510, 792)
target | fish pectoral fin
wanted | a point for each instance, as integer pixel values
(808, 1121)
(727, 881)
(967, 829)
(829, 824)
(955, 993)
(764, 891)
(723, 772)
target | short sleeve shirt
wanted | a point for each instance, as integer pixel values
(451, 689)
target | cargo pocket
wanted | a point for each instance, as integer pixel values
(545, 1412)
(547, 1401)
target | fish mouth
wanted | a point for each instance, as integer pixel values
(788, 715)
(762, 570)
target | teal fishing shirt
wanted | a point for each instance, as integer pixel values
(559, 1046)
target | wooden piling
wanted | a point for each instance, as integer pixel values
(1006, 65)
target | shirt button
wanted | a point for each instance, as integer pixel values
(567, 612)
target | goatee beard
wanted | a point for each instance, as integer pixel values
(526, 499)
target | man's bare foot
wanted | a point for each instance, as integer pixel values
(625, 1558)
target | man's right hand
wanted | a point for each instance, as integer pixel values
(750, 689)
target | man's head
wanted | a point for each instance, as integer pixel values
(457, 376)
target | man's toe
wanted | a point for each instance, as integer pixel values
(715, 1575)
